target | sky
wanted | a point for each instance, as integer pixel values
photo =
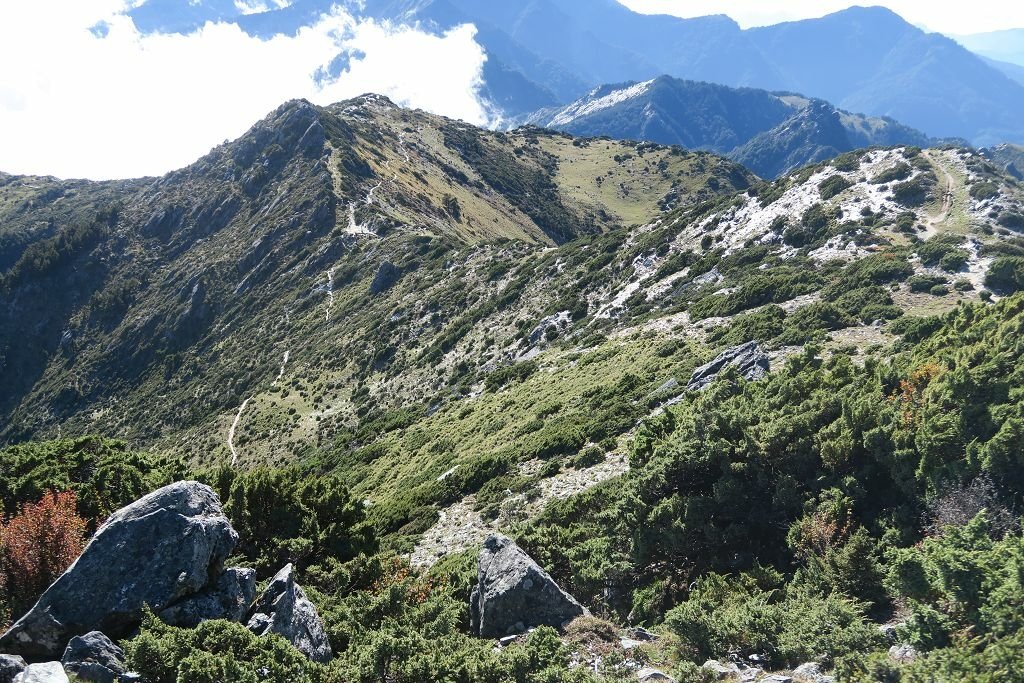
(944, 16)
(74, 103)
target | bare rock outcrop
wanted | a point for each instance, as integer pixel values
(284, 609)
(514, 593)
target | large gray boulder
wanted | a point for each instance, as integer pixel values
(166, 546)
(284, 609)
(514, 593)
(229, 598)
(48, 672)
(11, 666)
(94, 658)
(748, 359)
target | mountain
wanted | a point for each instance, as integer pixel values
(1013, 71)
(549, 52)
(1008, 157)
(725, 409)
(339, 263)
(1003, 46)
(770, 133)
(322, 235)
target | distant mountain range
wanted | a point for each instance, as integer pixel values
(1003, 46)
(1009, 157)
(543, 53)
(770, 133)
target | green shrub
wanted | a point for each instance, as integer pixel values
(1006, 274)
(588, 457)
(214, 652)
(762, 325)
(812, 322)
(954, 260)
(812, 227)
(900, 171)
(940, 248)
(847, 162)
(924, 283)
(984, 190)
(911, 193)
(757, 614)
(877, 269)
(866, 303)
(833, 185)
(1011, 220)
(510, 374)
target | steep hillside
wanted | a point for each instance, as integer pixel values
(381, 336)
(770, 133)
(356, 284)
(329, 246)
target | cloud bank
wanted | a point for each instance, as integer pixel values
(78, 101)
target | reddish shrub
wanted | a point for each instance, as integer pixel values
(38, 544)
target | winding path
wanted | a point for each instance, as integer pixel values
(330, 293)
(284, 364)
(948, 197)
(231, 432)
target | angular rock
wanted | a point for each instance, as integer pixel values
(165, 546)
(48, 672)
(720, 671)
(284, 609)
(642, 634)
(812, 672)
(777, 678)
(650, 675)
(513, 592)
(230, 598)
(10, 666)
(94, 658)
(752, 363)
(903, 654)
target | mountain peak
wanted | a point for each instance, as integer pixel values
(874, 15)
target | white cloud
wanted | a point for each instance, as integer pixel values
(74, 104)
(949, 17)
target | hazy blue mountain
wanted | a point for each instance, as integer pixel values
(871, 60)
(1003, 46)
(542, 52)
(770, 133)
(1014, 71)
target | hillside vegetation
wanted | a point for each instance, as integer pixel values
(380, 335)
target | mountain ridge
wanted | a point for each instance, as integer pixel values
(770, 133)
(688, 396)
